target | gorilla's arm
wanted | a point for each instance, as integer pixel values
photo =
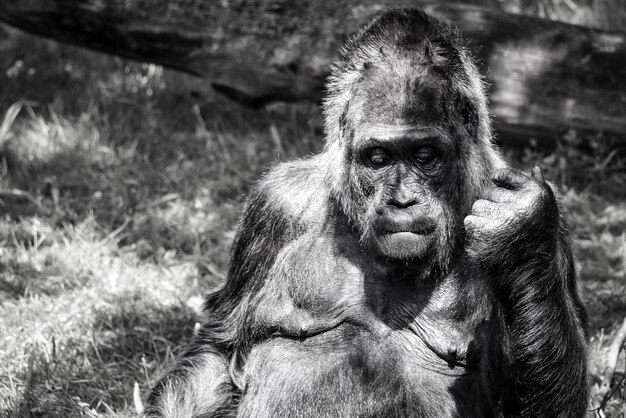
(288, 202)
(198, 385)
(517, 233)
(204, 381)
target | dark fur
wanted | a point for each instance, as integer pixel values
(330, 309)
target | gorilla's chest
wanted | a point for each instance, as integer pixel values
(348, 373)
(341, 342)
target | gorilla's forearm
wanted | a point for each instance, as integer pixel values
(541, 325)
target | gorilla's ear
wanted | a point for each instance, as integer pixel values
(469, 116)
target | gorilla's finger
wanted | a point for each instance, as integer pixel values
(509, 178)
(537, 175)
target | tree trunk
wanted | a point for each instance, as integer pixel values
(545, 76)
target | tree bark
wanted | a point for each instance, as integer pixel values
(545, 76)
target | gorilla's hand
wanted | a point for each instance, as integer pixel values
(516, 215)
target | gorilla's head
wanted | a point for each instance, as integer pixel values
(408, 135)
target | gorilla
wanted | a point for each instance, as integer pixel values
(405, 271)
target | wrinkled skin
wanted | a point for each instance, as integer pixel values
(402, 272)
(513, 204)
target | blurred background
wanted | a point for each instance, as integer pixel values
(123, 171)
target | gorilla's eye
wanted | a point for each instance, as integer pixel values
(377, 156)
(425, 154)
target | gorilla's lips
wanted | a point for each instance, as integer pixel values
(391, 220)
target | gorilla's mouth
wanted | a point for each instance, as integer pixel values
(397, 221)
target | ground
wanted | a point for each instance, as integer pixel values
(120, 188)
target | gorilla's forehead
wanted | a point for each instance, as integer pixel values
(403, 91)
(400, 130)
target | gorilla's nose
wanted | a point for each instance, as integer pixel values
(402, 200)
(402, 195)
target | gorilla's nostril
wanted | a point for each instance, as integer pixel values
(402, 202)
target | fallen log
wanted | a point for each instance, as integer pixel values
(545, 76)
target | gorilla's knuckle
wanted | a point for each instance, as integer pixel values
(479, 206)
(470, 221)
(535, 196)
(508, 173)
(502, 172)
(510, 214)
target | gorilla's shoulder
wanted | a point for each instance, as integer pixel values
(295, 189)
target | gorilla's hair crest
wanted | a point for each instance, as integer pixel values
(388, 37)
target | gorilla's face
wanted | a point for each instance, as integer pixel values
(401, 172)
(407, 133)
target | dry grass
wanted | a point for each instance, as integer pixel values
(133, 178)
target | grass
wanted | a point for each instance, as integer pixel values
(132, 179)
